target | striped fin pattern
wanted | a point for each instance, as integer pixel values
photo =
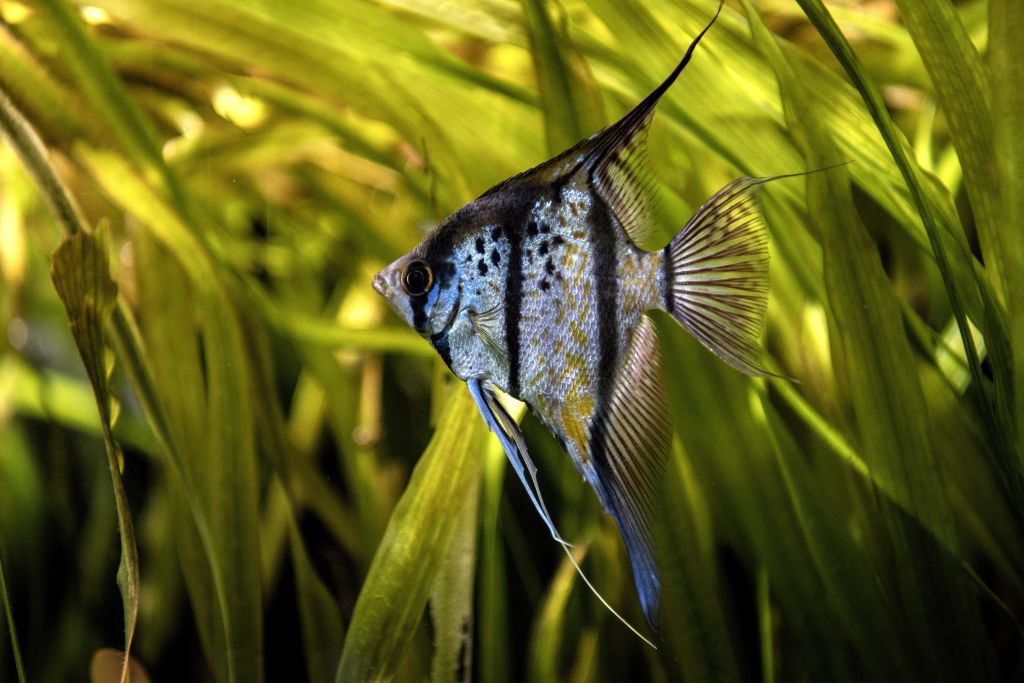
(623, 179)
(716, 275)
(630, 440)
(615, 158)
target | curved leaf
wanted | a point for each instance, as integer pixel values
(392, 601)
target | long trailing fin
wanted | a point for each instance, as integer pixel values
(505, 428)
(579, 570)
(715, 275)
(615, 158)
(507, 431)
(628, 444)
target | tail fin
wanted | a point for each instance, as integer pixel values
(715, 275)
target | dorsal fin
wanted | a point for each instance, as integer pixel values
(615, 158)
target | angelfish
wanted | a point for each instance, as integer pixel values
(539, 288)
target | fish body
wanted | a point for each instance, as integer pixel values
(538, 288)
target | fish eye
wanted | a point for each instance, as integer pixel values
(417, 278)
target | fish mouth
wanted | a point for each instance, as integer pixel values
(452, 315)
(379, 284)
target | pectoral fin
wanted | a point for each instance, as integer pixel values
(489, 326)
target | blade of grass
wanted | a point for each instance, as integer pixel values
(70, 402)
(107, 93)
(872, 97)
(201, 379)
(962, 84)
(549, 626)
(569, 97)
(451, 601)
(959, 78)
(323, 631)
(492, 635)
(888, 402)
(764, 625)
(394, 595)
(38, 94)
(1006, 22)
(82, 279)
(692, 620)
(30, 150)
(729, 453)
(318, 54)
(12, 631)
(139, 364)
(81, 276)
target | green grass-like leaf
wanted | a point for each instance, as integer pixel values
(255, 163)
(12, 631)
(414, 546)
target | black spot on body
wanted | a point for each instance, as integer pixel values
(482, 267)
(495, 257)
(446, 271)
(495, 233)
(543, 250)
(531, 228)
(545, 285)
(549, 267)
(558, 241)
(479, 245)
(545, 228)
(558, 185)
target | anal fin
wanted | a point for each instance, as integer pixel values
(627, 448)
(507, 431)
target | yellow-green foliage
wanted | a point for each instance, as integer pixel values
(286, 482)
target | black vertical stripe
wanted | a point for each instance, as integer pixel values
(444, 348)
(667, 277)
(418, 304)
(604, 270)
(514, 303)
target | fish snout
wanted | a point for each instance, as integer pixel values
(380, 284)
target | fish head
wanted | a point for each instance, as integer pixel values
(423, 293)
(450, 287)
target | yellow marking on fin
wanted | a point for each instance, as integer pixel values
(574, 432)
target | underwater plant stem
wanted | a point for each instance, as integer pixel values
(18, 664)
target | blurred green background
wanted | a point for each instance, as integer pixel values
(293, 486)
